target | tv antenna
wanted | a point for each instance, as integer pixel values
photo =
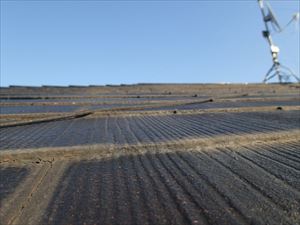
(283, 73)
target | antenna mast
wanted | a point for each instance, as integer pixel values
(283, 73)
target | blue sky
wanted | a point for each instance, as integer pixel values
(113, 42)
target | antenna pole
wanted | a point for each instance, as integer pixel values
(277, 68)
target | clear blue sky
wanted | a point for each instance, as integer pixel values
(113, 42)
